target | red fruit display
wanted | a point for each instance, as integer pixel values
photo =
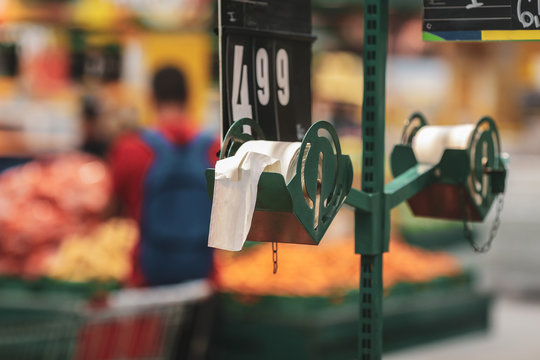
(44, 201)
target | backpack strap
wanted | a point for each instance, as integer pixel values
(161, 145)
(202, 144)
(156, 141)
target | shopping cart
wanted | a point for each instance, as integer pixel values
(152, 323)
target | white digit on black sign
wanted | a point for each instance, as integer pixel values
(527, 18)
(282, 76)
(474, 4)
(263, 78)
(241, 107)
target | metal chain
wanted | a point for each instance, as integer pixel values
(274, 256)
(467, 232)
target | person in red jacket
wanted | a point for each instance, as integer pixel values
(159, 179)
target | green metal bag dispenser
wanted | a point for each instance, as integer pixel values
(467, 178)
(301, 211)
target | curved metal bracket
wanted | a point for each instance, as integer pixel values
(240, 132)
(323, 179)
(416, 122)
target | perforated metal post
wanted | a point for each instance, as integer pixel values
(372, 229)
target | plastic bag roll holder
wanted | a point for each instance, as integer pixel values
(473, 176)
(299, 212)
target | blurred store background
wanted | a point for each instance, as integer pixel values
(75, 75)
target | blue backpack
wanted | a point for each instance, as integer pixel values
(176, 211)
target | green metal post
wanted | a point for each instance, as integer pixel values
(372, 228)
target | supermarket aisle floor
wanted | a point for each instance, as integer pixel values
(514, 335)
(510, 270)
(512, 265)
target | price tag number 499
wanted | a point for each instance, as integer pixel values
(241, 107)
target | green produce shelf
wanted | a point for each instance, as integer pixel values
(317, 328)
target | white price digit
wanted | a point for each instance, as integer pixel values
(527, 18)
(474, 4)
(241, 107)
(263, 78)
(282, 76)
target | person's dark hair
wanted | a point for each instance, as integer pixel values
(169, 86)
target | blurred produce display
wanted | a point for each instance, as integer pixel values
(101, 255)
(44, 201)
(107, 14)
(328, 269)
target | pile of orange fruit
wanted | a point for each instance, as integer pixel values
(328, 269)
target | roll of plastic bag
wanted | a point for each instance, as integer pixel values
(430, 142)
(235, 188)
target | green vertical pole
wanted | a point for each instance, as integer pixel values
(371, 291)
(372, 228)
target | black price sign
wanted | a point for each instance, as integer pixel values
(481, 19)
(9, 60)
(97, 63)
(265, 61)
